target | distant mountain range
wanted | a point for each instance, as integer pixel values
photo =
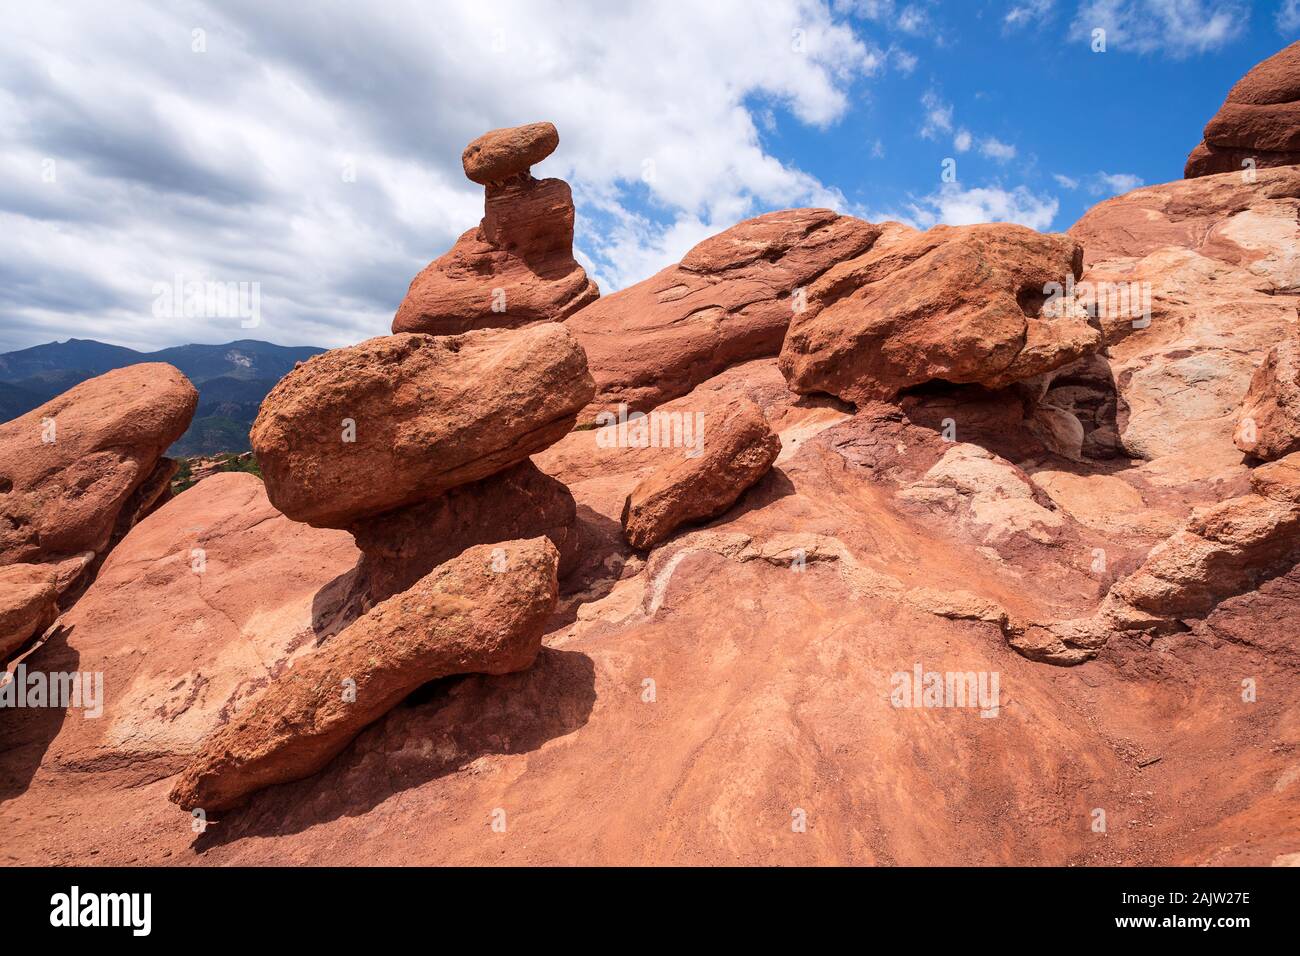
(232, 380)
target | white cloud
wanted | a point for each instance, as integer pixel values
(1065, 182)
(962, 141)
(955, 206)
(904, 62)
(1287, 17)
(1113, 184)
(996, 149)
(938, 115)
(1027, 11)
(1176, 27)
(226, 164)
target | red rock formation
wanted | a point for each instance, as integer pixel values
(729, 300)
(1270, 413)
(198, 607)
(737, 449)
(1259, 122)
(402, 546)
(517, 266)
(29, 603)
(83, 466)
(960, 304)
(394, 421)
(480, 612)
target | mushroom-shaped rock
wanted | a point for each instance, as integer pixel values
(517, 265)
(501, 153)
(981, 304)
(737, 450)
(396, 420)
(480, 613)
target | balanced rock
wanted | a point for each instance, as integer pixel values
(738, 449)
(501, 153)
(77, 471)
(729, 300)
(29, 603)
(517, 265)
(962, 304)
(1258, 125)
(1270, 414)
(481, 612)
(396, 420)
(399, 547)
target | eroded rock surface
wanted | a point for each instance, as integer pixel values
(77, 471)
(729, 300)
(961, 304)
(1269, 426)
(358, 431)
(478, 613)
(1258, 125)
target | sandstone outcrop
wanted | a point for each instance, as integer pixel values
(29, 603)
(738, 449)
(194, 611)
(1269, 426)
(399, 547)
(1191, 283)
(481, 612)
(393, 421)
(517, 265)
(960, 304)
(77, 471)
(729, 300)
(1258, 125)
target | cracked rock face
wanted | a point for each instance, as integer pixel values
(1269, 426)
(961, 304)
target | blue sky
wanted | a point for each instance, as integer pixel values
(314, 148)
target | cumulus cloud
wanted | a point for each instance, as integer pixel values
(937, 116)
(1176, 27)
(955, 206)
(962, 141)
(1065, 182)
(315, 150)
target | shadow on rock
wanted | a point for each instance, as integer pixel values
(27, 732)
(441, 728)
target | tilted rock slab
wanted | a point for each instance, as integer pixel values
(517, 265)
(427, 414)
(1270, 413)
(1258, 125)
(739, 448)
(964, 304)
(399, 547)
(729, 300)
(79, 469)
(482, 612)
